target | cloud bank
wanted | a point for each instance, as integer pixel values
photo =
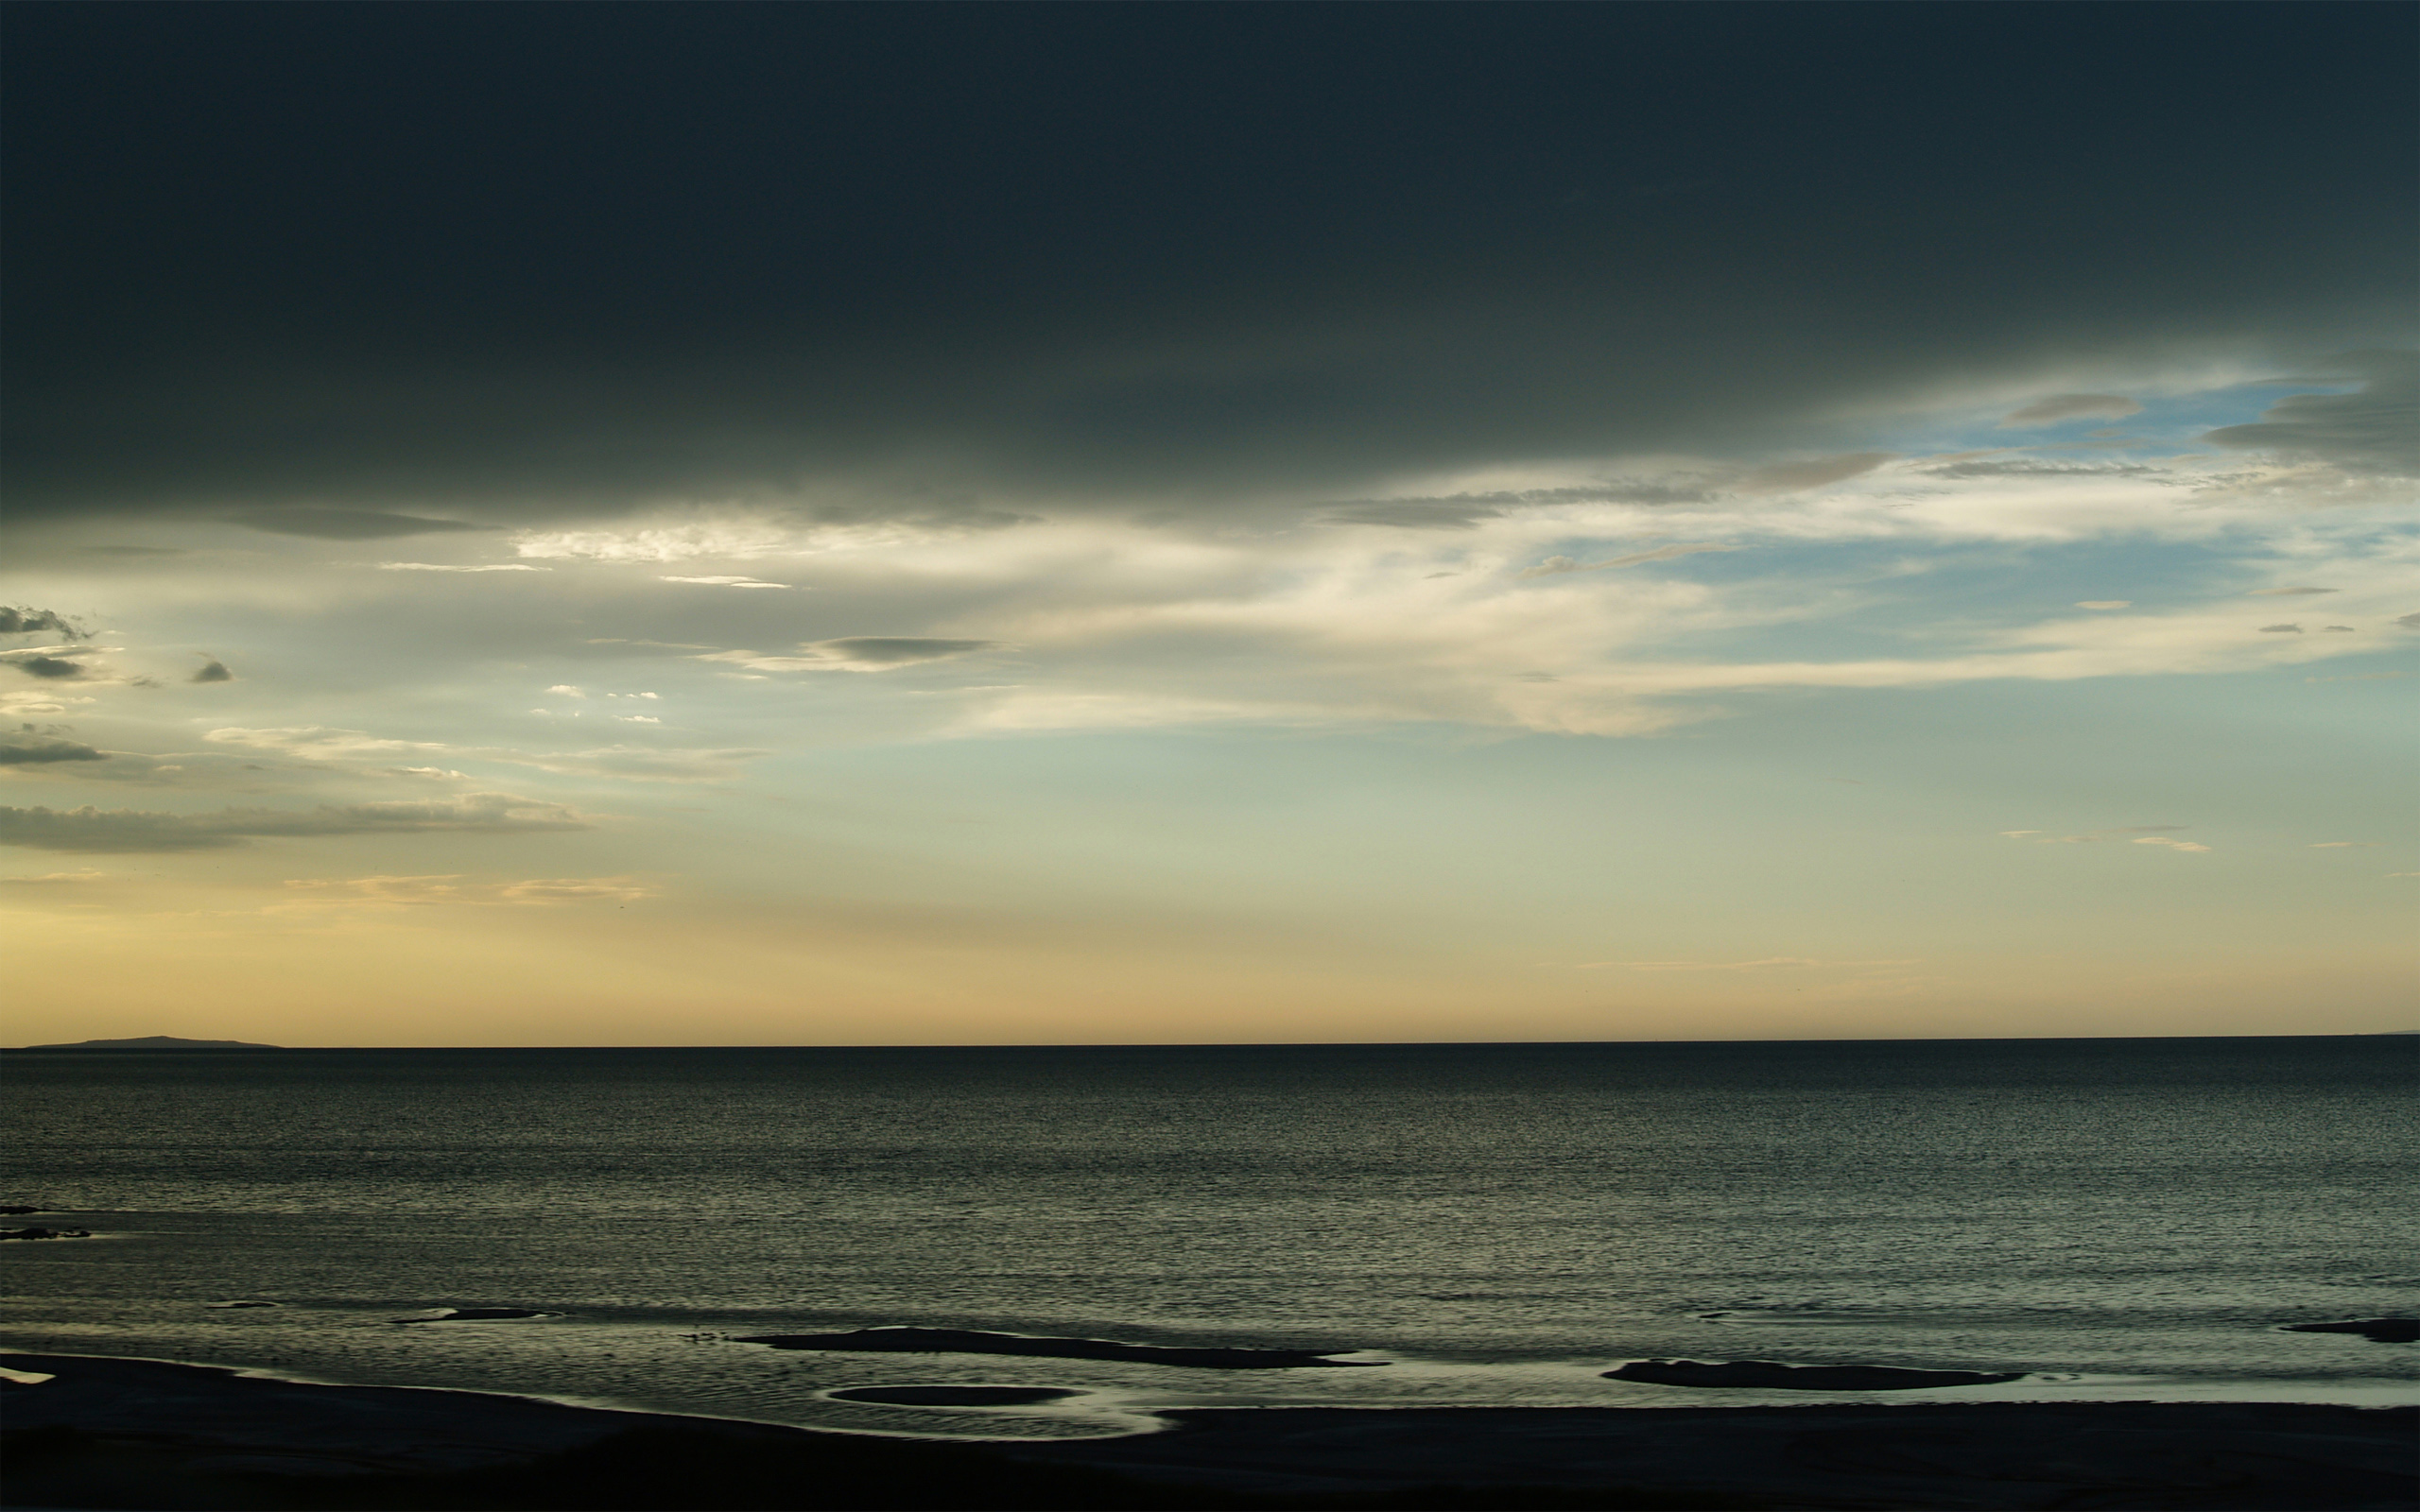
(1431, 240)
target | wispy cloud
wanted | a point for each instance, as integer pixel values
(1463, 511)
(576, 890)
(448, 889)
(2135, 834)
(348, 524)
(46, 701)
(2058, 408)
(359, 749)
(1767, 962)
(859, 653)
(319, 742)
(1815, 473)
(727, 582)
(2031, 468)
(692, 541)
(91, 829)
(440, 567)
(2368, 432)
(639, 764)
(1553, 566)
(395, 892)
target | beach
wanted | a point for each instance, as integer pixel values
(107, 1431)
(1781, 1275)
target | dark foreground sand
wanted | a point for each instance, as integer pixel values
(2217, 1455)
(143, 1434)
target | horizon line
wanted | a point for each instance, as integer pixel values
(199, 1046)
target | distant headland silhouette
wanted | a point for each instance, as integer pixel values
(158, 1041)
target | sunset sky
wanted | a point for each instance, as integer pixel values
(697, 524)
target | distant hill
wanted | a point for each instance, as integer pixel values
(158, 1041)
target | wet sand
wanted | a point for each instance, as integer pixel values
(956, 1396)
(2217, 1457)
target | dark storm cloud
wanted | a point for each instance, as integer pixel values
(34, 621)
(213, 670)
(347, 524)
(94, 830)
(30, 749)
(2373, 430)
(54, 668)
(528, 262)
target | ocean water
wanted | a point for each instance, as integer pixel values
(2127, 1218)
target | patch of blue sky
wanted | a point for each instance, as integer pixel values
(2167, 424)
(1872, 598)
(2051, 576)
(2207, 750)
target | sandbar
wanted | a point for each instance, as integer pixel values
(1767, 1375)
(2375, 1330)
(973, 1341)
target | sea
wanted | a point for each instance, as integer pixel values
(1488, 1225)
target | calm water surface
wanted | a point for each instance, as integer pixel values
(2128, 1217)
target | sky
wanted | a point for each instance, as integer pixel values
(1025, 524)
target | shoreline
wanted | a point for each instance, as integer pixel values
(196, 1426)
